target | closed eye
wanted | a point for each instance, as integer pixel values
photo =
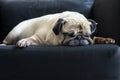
(70, 34)
(87, 35)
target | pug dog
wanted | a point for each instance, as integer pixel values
(66, 28)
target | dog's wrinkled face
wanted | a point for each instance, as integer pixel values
(75, 32)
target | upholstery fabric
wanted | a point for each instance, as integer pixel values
(93, 62)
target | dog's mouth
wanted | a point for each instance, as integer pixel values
(76, 40)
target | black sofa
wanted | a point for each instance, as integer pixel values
(92, 62)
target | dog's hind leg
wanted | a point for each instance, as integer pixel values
(10, 39)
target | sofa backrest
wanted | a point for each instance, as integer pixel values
(107, 15)
(14, 11)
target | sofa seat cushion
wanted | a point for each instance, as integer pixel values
(93, 62)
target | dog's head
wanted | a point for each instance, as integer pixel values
(75, 32)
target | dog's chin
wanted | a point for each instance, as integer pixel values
(79, 42)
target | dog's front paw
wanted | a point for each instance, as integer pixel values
(102, 40)
(109, 41)
(24, 42)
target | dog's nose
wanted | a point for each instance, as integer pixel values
(79, 37)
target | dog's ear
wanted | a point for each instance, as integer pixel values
(93, 25)
(58, 26)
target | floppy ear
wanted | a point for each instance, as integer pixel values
(58, 26)
(93, 25)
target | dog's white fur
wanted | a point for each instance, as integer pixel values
(40, 30)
